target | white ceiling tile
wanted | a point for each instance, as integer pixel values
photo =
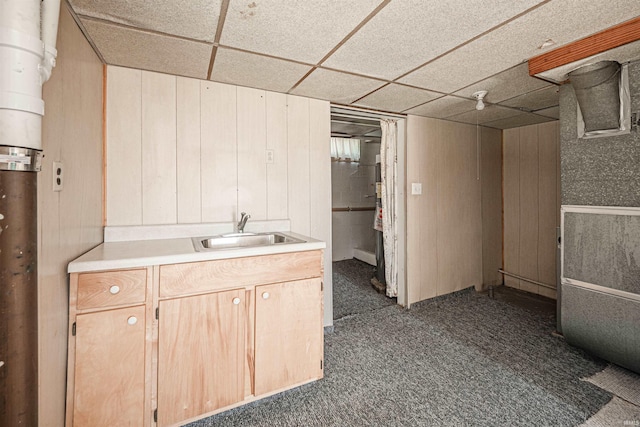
(196, 19)
(562, 21)
(301, 30)
(505, 85)
(407, 33)
(488, 114)
(523, 119)
(443, 107)
(553, 112)
(148, 51)
(246, 69)
(336, 87)
(627, 53)
(397, 98)
(536, 100)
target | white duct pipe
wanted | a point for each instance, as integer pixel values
(27, 55)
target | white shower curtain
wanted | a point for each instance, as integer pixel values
(389, 172)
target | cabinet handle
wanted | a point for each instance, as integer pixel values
(265, 295)
(236, 301)
(132, 320)
(114, 289)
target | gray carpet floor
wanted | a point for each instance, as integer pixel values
(463, 359)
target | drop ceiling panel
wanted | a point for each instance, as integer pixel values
(407, 33)
(336, 87)
(443, 107)
(397, 98)
(196, 19)
(536, 100)
(246, 69)
(562, 21)
(553, 112)
(505, 85)
(301, 30)
(489, 114)
(149, 51)
(523, 119)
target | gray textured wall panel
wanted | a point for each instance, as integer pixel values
(606, 325)
(600, 171)
(603, 250)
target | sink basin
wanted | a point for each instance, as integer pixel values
(241, 240)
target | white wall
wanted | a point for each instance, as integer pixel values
(70, 221)
(350, 183)
(181, 150)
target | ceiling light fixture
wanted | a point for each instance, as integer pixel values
(547, 43)
(479, 95)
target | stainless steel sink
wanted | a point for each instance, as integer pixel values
(241, 240)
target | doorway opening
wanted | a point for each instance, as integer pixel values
(357, 247)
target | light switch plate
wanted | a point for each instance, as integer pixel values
(416, 188)
(58, 176)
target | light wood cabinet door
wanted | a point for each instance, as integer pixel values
(288, 334)
(201, 354)
(109, 368)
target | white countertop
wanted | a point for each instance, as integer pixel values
(142, 253)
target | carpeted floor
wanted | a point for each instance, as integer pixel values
(463, 359)
(352, 290)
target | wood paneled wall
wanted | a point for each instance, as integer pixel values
(181, 150)
(70, 221)
(531, 165)
(444, 223)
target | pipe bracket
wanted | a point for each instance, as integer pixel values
(20, 159)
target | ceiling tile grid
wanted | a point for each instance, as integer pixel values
(195, 19)
(488, 114)
(396, 98)
(337, 87)
(407, 33)
(262, 72)
(373, 50)
(522, 119)
(300, 30)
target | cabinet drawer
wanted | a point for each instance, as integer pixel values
(106, 289)
(195, 277)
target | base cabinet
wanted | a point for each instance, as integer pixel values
(201, 350)
(165, 345)
(288, 331)
(109, 368)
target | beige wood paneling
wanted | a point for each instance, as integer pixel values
(491, 145)
(298, 163)
(320, 192)
(288, 335)
(529, 206)
(444, 223)
(124, 149)
(277, 172)
(459, 211)
(159, 149)
(198, 277)
(188, 150)
(110, 356)
(547, 209)
(201, 353)
(69, 222)
(218, 163)
(428, 205)
(511, 193)
(252, 145)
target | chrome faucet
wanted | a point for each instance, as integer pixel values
(243, 221)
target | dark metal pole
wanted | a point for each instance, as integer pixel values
(18, 288)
